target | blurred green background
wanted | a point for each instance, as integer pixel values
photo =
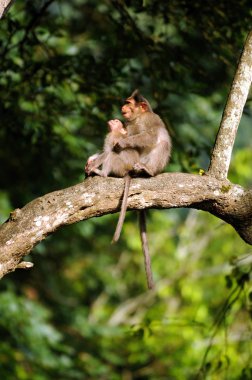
(83, 311)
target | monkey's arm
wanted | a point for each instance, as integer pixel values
(143, 133)
(140, 140)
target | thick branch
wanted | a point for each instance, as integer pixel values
(221, 155)
(98, 196)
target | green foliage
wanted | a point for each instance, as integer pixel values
(28, 340)
(83, 311)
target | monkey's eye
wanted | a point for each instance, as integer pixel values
(126, 102)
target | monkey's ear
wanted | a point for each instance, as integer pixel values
(135, 95)
(144, 106)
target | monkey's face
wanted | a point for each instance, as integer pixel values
(130, 110)
(115, 125)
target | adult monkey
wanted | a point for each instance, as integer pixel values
(147, 134)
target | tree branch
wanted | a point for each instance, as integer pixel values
(4, 6)
(222, 151)
(98, 196)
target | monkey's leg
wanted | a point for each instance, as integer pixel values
(145, 248)
(99, 172)
(105, 160)
(115, 165)
(142, 169)
(154, 162)
(123, 209)
(94, 162)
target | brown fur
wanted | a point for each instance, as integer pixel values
(149, 136)
(116, 164)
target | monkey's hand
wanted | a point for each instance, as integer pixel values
(120, 145)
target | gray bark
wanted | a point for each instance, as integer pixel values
(98, 196)
(4, 6)
(222, 151)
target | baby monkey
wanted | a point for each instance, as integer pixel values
(117, 164)
(111, 162)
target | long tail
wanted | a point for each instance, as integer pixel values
(123, 209)
(145, 248)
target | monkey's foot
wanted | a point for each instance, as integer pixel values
(140, 170)
(92, 173)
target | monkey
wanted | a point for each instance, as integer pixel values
(117, 164)
(146, 136)
(114, 163)
(116, 130)
(146, 133)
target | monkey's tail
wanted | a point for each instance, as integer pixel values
(145, 248)
(123, 209)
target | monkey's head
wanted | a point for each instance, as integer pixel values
(116, 125)
(134, 106)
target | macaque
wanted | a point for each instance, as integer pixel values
(143, 150)
(114, 163)
(147, 134)
(117, 164)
